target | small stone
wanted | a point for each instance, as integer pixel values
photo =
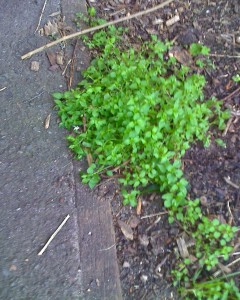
(126, 264)
(35, 66)
(13, 268)
(144, 278)
(203, 200)
(237, 39)
(97, 282)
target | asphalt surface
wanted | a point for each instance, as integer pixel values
(37, 185)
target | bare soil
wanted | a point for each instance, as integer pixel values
(146, 261)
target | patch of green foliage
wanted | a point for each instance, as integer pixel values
(236, 78)
(218, 288)
(140, 110)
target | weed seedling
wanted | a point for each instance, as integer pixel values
(138, 111)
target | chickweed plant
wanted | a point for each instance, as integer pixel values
(223, 288)
(139, 111)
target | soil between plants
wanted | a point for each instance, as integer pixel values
(146, 261)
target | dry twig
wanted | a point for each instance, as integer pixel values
(224, 55)
(229, 265)
(227, 127)
(77, 34)
(155, 215)
(65, 69)
(227, 179)
(53, 235)
(231, 95)
(231, 219)
(40, 18)
(71, 74)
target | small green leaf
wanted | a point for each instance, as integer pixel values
(94, 181)
(236, 78)
(220, 142)
(57, 96)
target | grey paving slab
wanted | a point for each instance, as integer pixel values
(37, 181)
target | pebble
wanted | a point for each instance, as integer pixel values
(204, 200)
(144, 278)
(35, 66)
(237, 39)
(126, 264)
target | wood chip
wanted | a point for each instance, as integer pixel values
(139, 207)
(35, 66)
(173, 20)
(182, 246)
(59, 58)
(47, 121)
(57, 13)
(157, 21)
(126, 230)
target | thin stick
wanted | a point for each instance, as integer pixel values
(231, 219)
(65, 69)
(76, 34)
(107, 248)
(227, 127)
(229, 265)
(235, 113)
(231, 95)
(155, 215)
(71, 73)
(2, 89)
(227, 179)
(224, 55)
(40, 18)
(54, 234)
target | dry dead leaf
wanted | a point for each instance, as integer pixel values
(59, 58)
(134, 221)
(126, 230)
(35, 66)
(181, 55)
(51, 28)
(47, 121)
(182, 247)
(52, 57)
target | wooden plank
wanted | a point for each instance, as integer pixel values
(100, 273)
